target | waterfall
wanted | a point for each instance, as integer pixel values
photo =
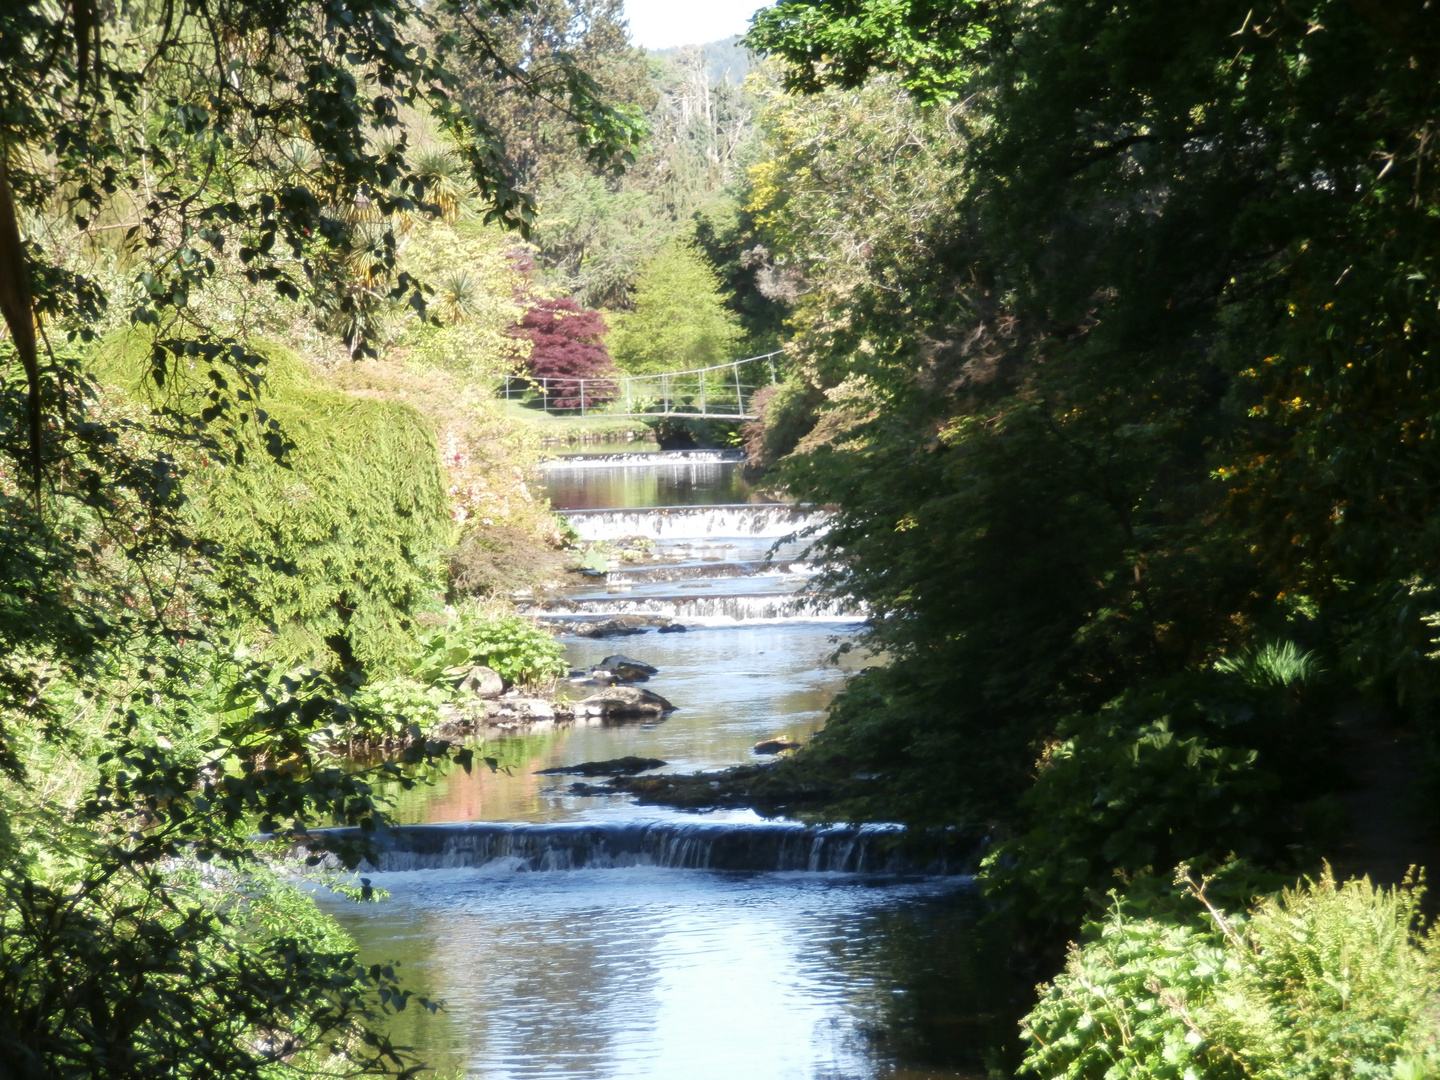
(650, 460)
(744, 607)
(679, 522)
(648, 575)
(766, 847)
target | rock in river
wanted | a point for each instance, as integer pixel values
(623, 701)
(775, 746)
(625, 766)
(623, 669)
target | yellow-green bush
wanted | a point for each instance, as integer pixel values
(345, 540)
(1322, 980)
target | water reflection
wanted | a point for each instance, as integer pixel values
(613, 974)
(734, 687)
(639, 485)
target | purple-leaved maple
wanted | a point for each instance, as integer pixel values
(568, 345)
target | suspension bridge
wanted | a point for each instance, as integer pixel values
(718, 392)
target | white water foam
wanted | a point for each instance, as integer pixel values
(742, 607)
(645, 460)
(685, 522)
(646, 575)
(511, 847)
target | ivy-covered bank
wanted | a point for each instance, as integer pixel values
(343, 539)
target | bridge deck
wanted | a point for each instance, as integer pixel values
(718, 392)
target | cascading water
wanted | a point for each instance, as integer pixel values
(575, 935)
(661, 459)
(770, 847)
(767, 520)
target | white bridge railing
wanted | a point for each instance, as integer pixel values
(719, 392)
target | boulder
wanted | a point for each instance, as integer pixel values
(623, 669)
(775, 746)
(619, 626)
(518, 708)
(673, 628)
(621, 701)
(483, 682)
(591, 789)
(625, 766)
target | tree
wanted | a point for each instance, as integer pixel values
(1158, 394)
(680, 319)
(553, 40)
(567, 345)
(152, 156)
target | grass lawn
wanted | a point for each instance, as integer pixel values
(592, 428)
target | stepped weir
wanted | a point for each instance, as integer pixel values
(772, 847)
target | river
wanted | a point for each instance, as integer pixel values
(583, 937)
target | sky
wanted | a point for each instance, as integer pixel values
(660, 24)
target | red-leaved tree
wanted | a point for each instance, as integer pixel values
(567, 344)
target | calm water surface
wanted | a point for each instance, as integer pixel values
(660, 973)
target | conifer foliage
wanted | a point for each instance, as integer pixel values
(567, 343)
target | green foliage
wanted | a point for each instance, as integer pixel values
(1321, 980)
(1283, 665)
(593, 241)
(518, 650)
(343, 542)
(88, 991)
(142, 932)
(1118, 325)
(680, 320)
(475, 272)
(930, 45)
(392, 711)
(1125, 793)
(295, 185)
(201, 170)
(595, 236)
(579, 43)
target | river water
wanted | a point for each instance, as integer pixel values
(582, 937)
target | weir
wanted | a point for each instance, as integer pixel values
(769, 847)
(655, 459)
(648, 575)
(684, 522)
(740, 607)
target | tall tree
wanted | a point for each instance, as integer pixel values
(556, 41)
(680, 319)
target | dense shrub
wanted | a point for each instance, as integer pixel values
(1323, 980)
(1201, 769)
(345, 539)
(517, 649)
